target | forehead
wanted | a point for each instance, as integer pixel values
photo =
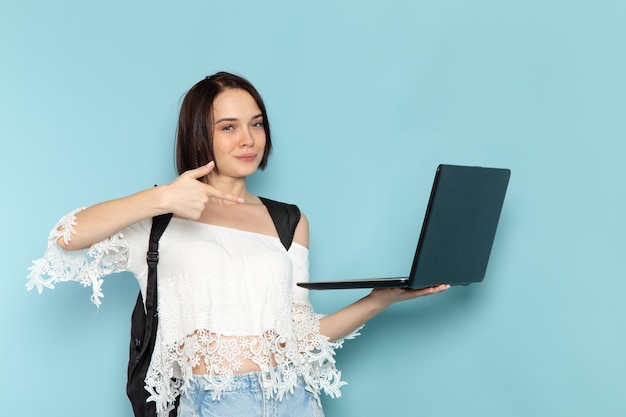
(234, 103)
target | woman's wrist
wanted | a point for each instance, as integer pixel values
(376, 301)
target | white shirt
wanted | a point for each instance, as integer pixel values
(224, 295)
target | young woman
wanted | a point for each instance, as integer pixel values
(236, 336)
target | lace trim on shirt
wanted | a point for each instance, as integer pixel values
(281, 358)
(85, 266)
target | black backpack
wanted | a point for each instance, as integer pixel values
(144, 324)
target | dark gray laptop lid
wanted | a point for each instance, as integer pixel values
(457, 232)
(459, 226)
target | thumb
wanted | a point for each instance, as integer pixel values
(201, 171)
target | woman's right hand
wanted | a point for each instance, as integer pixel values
(187, 196)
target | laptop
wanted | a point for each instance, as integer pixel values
(457, 233)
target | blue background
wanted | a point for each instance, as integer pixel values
(365, 99)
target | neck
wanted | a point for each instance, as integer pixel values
(236, 186)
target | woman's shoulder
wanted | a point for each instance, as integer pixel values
(268, 202)
(291, 223)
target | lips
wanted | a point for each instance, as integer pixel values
(246, 157)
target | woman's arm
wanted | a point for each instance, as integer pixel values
(186, 197)
(348, 319)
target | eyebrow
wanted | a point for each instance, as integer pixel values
(234, 119)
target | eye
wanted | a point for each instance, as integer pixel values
(257, 124)
(228, 127)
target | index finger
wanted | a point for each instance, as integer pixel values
(200, 171)
(222, 195)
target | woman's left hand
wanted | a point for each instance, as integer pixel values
(388, 296)
(346, 320)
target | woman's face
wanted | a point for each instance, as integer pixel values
(238, 133)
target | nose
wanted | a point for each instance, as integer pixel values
(247, 138)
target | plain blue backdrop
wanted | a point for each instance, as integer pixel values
(365, 99)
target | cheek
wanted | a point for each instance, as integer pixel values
(261, 139)
(222, 144)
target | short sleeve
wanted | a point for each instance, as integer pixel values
(316, 350)
(300, 272)
(87, 267)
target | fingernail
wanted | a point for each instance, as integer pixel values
(210, 163)
(240, 200)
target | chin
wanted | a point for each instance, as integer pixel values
(240, 173)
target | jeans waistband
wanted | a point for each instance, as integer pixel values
(250, 381)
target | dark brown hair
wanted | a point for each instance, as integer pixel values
(194, 137)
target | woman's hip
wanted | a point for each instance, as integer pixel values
(246, 397)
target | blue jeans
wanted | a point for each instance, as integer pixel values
(246, 398)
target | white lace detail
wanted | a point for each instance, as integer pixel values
(278, 331)
(85, 266)
(282, 359)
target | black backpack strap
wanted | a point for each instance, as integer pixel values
(285, 217)
(144, 326)
(159, 223)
